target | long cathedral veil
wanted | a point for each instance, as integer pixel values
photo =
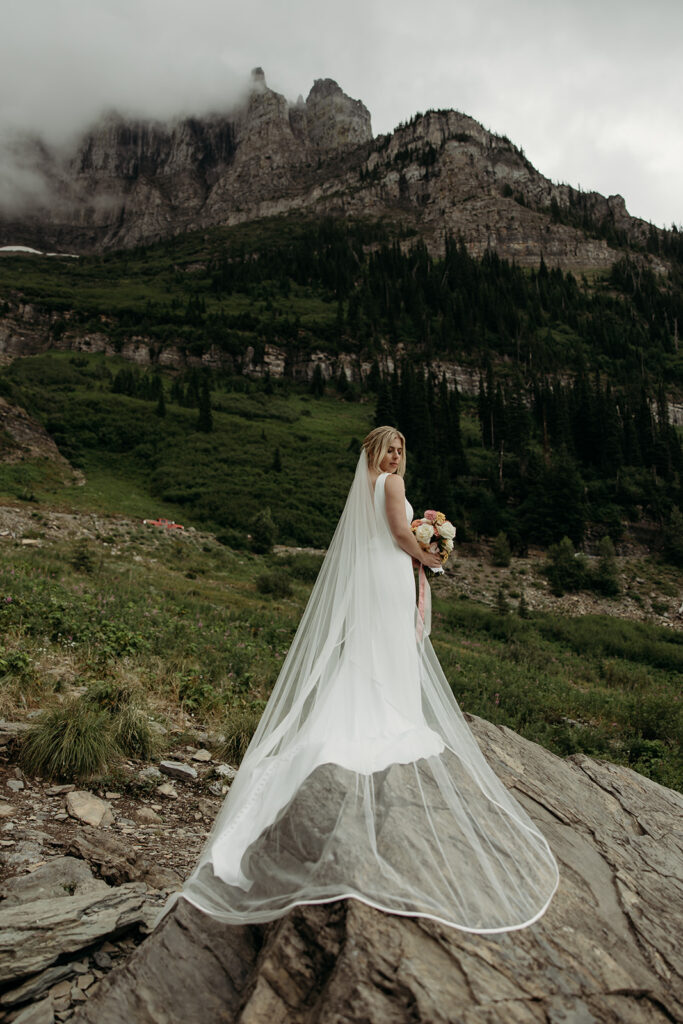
(363, 779)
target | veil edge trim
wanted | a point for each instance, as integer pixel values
(271, 915)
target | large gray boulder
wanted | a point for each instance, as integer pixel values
(57, 878)
(609, 949)
(34, 934)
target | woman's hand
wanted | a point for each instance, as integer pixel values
(430, 560)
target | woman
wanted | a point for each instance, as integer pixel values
(363, 779)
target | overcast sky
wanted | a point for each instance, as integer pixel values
(590, 89)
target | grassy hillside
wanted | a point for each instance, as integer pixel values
(285, 450)
(569, 434)
(119, 616)
(218, 450)
(196, 626)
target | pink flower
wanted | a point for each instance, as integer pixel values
(430, 515)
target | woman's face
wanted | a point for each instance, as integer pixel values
(392, 459)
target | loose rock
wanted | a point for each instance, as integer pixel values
(60, 876)
(24, 854)
(35, 934)
(37, 985)
(37, 1013)
(201, 755)
(60, 790)
(146, 816)
(89, 809)
(61, 990)
(168, 791)
(178, 770)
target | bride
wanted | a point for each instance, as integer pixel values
(363, 779)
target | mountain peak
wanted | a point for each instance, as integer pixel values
(258, 80)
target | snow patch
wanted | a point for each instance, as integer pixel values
(36, 252)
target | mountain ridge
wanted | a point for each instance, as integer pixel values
(128, 183)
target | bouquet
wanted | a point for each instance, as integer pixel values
(434, 533)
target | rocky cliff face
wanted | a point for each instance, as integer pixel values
(607, 951)
(128, 183)
(131, 182)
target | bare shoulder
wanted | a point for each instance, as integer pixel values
(394, 484)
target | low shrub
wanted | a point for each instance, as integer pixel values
(81, 558)
(276, 584)
(73, 741)
(302, 566)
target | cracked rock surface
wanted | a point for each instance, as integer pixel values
(609, 949)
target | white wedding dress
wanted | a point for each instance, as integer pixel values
(363, 779)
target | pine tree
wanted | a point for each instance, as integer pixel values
(317, 386)
(342, 384)
(205, 418)
(500, 552)
(161, 403)
(374, 377)
(385, 414)
(606, 579)
(263, 532)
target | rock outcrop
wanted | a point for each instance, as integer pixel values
(27, 330)
(23, 438)
(128, 182)
(609, 948)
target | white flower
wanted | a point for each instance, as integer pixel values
(423, 533)
(446, 530)
(448, 545)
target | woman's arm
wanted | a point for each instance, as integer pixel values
(395, 494)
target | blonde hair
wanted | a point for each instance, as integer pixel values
(376, 446)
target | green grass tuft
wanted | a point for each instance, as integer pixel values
(238, 726)
(132, 733)
(73, 741)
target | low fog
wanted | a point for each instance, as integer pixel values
(590, 91)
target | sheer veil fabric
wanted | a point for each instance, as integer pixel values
(363, 779)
